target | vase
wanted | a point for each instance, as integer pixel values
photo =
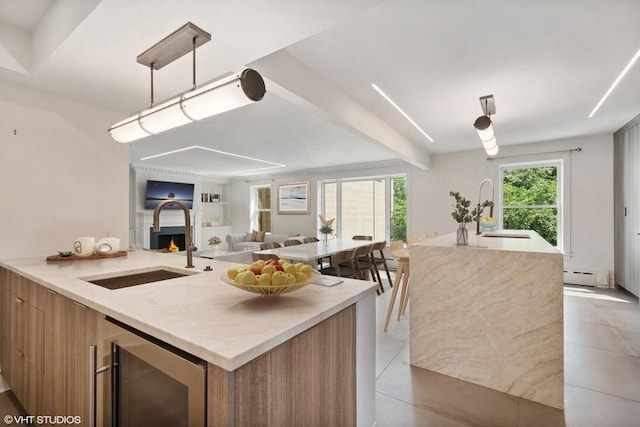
(462, 235)
(325, 239)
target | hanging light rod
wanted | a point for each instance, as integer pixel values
(484, 126)
(196, 104)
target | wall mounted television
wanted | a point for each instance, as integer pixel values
(158, 191)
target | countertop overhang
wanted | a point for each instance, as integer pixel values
(533, 243)
(199, 313)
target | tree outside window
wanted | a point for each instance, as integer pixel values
(531, 199)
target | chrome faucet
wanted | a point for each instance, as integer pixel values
(187, 226)
(482, 205)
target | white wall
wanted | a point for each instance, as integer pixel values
(201, 211)
(61, 175)
(306, 225)
(590, 190)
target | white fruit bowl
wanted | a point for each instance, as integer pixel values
(270, 289)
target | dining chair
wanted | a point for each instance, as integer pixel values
(361, 237)
(292, 242)
(363, 264)
(399, 252)
(380, 261)
(270, 245)
(257, 257)
(404, 299)
(342, 265)
(310, 239)
(412, 240)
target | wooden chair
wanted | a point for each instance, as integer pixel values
(380, 261)
(361, 237)
(363, 264)
(256, 257)
(292, 242)
(342, 265)
(399, 252)
(310, 240)
(412, 240)
(270, 245)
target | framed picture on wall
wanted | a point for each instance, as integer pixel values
(293, 198)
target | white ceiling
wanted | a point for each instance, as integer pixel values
(547, 63)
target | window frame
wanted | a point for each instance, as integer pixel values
(339, 181)
(254, 211)
(561, 200)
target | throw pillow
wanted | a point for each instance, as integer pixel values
(250, 236)
(294, 234)
(259, 235)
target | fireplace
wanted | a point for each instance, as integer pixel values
(162, 238)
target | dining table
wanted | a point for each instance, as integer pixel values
(308, 252)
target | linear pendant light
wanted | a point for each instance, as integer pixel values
(196, 104)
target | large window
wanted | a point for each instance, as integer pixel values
(531, 196)
(372, 206)
(261, 208)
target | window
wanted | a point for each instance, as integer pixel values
(373, 206)
(261, 208)
(531, 195)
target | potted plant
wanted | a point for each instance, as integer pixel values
(214, 241)
(326, 227)
(463, 216)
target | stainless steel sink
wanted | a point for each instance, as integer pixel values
(137, 278)
(506, 235)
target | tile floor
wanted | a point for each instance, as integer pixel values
(602, 370)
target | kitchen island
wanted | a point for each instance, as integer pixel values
(490, 313)
(220, 324)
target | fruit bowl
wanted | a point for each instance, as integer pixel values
(269, 289)
(488, 223)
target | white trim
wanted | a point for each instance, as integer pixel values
(562, 197)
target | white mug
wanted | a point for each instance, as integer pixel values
(84, 246)
(108, 245)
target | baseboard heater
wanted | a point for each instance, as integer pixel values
(576, 277)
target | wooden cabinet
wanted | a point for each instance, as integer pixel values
(70, 329)
(309, 380)
(627, 206)
(23, 338)
(45, 347)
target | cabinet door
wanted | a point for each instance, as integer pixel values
(85, 335)
(71, 329)
(8, 348)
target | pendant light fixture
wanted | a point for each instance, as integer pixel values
(196, 104)
(484, 126)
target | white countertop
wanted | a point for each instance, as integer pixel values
(534, 243)
(199, 313)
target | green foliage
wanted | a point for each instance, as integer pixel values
(542, 220)
(399, 209)
(530, 187)
(461, 214)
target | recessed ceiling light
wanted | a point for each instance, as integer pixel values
(406, 116)
(272, 165)
(615, 83)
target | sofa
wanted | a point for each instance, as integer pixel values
(249, 241)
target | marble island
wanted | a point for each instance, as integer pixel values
(490, 313)
(202, 315)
